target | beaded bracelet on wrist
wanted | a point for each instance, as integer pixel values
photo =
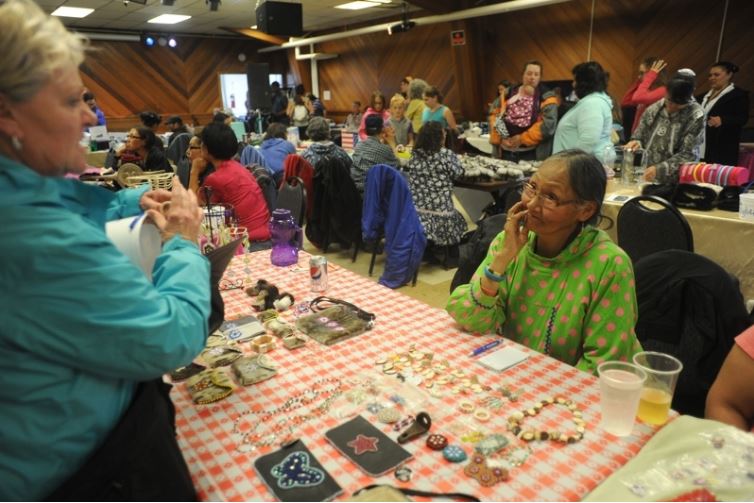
(517, 418)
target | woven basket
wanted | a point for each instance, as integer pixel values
(158, 180)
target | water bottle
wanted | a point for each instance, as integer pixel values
(627, 170)
(608, 160)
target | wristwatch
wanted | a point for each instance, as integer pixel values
(492, 276)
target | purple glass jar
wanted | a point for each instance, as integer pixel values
(287, 238)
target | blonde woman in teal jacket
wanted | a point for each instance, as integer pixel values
(551, 280)
(85, 336)
(587, 126)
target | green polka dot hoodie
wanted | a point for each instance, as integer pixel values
(578, 307)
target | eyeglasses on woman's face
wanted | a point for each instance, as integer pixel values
(547, 199)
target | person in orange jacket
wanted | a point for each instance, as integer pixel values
(529, 118)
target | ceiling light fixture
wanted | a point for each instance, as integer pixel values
(213, 5)
(172, 43)
(72, 12)
(168, 19)
(148, 40)
(365, 4)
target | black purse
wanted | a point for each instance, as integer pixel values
(729, 199)
(694, 197)
(663, 190)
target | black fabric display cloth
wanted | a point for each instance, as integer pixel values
(139, 461)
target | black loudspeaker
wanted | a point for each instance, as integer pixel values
(280, 18)
(258, 75)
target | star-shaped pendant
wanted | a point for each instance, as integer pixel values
(362, 444)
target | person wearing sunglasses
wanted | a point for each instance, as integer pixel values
(551, 280)
(141, 149)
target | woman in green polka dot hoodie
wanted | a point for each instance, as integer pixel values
(551, 281)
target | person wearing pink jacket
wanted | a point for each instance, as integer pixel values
(376, 107)
(648, 88)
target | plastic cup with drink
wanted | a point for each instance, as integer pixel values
(242, 233)
(662, 375)
(621, 385)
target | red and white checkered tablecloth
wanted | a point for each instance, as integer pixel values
(553, 471)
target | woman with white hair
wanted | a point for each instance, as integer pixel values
(415, 108)
(85, 335)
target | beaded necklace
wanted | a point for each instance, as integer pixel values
(515, 420)
(327, 389)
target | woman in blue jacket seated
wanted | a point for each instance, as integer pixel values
(275, 148)
(85, 336)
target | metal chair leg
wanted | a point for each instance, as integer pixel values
(371, 262)
(356, 247)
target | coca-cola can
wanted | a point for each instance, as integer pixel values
(318, 273)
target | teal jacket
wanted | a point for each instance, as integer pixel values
(586, 126)
(81, 325)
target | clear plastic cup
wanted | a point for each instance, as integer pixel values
(662, 375)
(239, 232)
(621, 385)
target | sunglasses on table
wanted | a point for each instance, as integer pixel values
(228, 284)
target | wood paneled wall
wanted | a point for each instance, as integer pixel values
(128, 78)
(684, 32)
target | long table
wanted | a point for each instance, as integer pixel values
(97, 158)
(222, 466)
(718, 235)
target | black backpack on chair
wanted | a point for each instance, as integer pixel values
(267, 184)
(292, 197)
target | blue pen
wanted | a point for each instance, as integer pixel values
(481, 349)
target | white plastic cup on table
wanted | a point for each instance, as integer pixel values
(662, 375)
(746, 206)
(621, 385)
(240, 232)
(609, 157)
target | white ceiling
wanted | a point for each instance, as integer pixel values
(113, 15)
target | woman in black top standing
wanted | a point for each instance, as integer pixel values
(726, 110)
